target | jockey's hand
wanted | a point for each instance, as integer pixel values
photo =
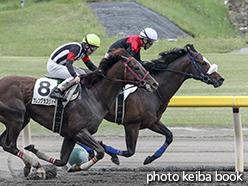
(77, 79)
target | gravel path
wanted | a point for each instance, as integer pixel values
(129, 18)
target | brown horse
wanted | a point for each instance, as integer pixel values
(82, 117)
(144, 110)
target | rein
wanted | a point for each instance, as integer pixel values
(103, 100)
(141, 81)
(203, 75)
(159, 95)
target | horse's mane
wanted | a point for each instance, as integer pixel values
(167, 57)
(106, 63)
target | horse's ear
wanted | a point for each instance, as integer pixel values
(190, 47)
(124, 57)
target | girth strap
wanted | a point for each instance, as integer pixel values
(120, 108)
(58, 117)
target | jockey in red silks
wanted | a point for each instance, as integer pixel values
(132, 44)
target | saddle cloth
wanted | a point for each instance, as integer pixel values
(42, 90)
(44, 86)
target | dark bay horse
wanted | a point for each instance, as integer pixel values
(144, 109)
(82, 117)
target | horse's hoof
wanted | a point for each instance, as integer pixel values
(29, 147)
(115, 160)
(149, 159)
(26, 170)
(74, 168)
(41, 173)
(71, 169)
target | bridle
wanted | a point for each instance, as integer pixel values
(203, 76)
(140, 81)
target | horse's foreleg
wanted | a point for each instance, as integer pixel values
(159, 127)
(66, 150)
(87, 139)
(88, 149)
(132, 132)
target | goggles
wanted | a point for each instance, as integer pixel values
(92, 48)
(150, 42)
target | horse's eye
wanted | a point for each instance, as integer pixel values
(204, 64)
(136, 68)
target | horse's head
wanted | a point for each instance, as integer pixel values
(133, 71)
(202, 69)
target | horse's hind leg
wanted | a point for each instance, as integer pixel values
(4, 134)
(3, 138)
(28, 166)
(10, 146)
(8, 140)
(159, 127)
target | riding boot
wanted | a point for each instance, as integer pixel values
(57, 92)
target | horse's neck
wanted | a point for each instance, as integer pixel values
(170, 82)
(108, 89)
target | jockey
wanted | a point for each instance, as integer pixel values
(132, 44)
(60, 62)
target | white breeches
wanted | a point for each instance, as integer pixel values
(60, 71)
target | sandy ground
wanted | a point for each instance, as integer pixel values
(196, 151)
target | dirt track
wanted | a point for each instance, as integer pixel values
(193, 149)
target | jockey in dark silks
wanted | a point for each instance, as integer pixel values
(132, 44)
(60, 62)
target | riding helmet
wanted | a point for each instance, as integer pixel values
(149, 33)
(92, 39)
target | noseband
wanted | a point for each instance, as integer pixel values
(204, 76)
(141, 81)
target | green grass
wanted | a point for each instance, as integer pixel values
(198, 18)
(29, 35)
(39, 28)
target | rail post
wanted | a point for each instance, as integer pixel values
(26, 133)
(238, 135)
